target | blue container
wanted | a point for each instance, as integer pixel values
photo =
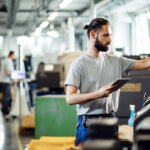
(131, 119)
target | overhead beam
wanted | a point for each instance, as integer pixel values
(26, 10)
(12, 10)
(85, 11)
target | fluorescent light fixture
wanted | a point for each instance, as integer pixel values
(65, 3)
(38, 30)
(44, 24)
(53, 16)
(53, 33)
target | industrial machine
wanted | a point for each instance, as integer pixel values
(132, 93)
(102, 135)
(142, 129)
(50, 76)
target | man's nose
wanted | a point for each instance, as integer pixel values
(109, 40)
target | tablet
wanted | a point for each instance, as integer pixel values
(18, 75)
(120, 82)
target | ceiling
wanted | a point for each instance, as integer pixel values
(20, 17)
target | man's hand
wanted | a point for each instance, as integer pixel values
(8, 72)
(106, 90)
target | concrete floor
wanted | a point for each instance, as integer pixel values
(10, 138)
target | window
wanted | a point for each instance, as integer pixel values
(141, 34)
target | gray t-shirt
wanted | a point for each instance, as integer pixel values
(90, 74)
(6, 64)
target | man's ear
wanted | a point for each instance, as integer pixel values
(93, 34)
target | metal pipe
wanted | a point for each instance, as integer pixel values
(91, 9)
(96, 7)
(12, 10)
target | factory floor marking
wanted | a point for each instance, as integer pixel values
(18, 138)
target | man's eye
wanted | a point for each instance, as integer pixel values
(106, 35)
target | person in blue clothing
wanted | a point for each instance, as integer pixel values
(88, 83)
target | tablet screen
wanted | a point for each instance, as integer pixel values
(120, 82)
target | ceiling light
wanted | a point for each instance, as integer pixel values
(53, 16)
(53, 33)
(44, 24)
(65, 3)
(38, 31)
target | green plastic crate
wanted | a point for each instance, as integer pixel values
(53, 117)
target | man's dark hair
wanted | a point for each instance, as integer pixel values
(11, 53)
(95, 24)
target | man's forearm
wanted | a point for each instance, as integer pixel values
(72, 97)
(142, 64)
(77, 98)
(147, 62)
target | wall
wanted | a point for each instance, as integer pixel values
(121, 32)
(9, 43)
(42, 48)
(122, 37)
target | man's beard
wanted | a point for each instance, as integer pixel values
(101, 47)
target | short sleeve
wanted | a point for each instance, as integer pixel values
(74, 75)
(9, 65)
(127, 64)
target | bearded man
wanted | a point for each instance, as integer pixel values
(90, 76)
